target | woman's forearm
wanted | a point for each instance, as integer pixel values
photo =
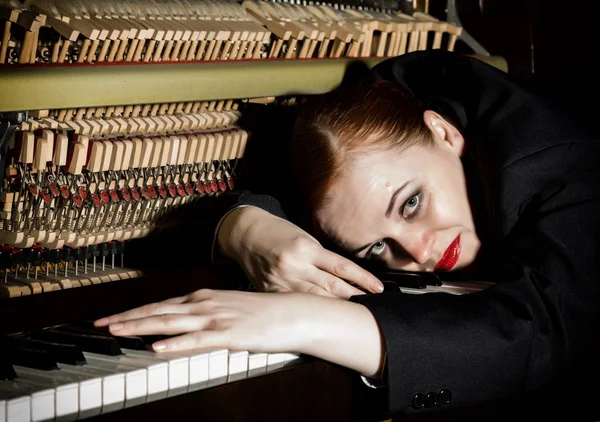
(347, 334)
(234, 229)
(335, 330)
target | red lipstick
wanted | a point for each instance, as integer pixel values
(450, 257)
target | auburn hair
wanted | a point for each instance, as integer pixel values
(334, 128)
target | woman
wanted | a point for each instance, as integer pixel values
(453, 168)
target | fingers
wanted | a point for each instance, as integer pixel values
(176, 300)
(315, 289)
(160, 324)
(347, 270)
(333, 286)
(196, 340)
(152, 309)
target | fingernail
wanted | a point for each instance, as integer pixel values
(116, 327)
(379, 288)
(159, 346)
(101, 322)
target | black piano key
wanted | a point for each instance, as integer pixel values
(87, 342)
(415, 280)
(151, 339)
(134, 343)
(431, 278)
(30, 358)
(63, 353)
(390, 286)
(7, 372)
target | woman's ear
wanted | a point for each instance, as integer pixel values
(444, 132)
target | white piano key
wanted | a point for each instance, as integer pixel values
(291, 358)
(89, 401)
(42, 398)
(257, 364)
(178, 368)
(157, 372)
(275, 361)
(66, 394)
(238, 366)
(198, 364)
(199, 369)
(135, 378)
(218, 366)
(113, 385)
(14, 406)
(456, 288)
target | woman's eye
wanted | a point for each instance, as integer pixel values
(411, 206)
(377, 249)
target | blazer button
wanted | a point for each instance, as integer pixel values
(418, 401)
(444, 396)
(431, 399)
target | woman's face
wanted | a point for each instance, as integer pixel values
(408, 209)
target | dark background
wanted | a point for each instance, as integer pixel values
(549, 43)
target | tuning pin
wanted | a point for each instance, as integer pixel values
(104, 251)
(37, 258)
(122, 252)
(28, 253)
(87, 254)
(53, 256)
(95, 252)
(17, 257)
(68, 255)
(113, 249)
(33, 256)
(79, 256)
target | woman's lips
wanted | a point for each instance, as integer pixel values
(450, 257)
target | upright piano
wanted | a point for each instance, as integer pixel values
(112, 115)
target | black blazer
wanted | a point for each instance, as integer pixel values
(535, 179)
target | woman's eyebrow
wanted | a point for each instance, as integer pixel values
(344, 245)
(357, 250)
(388, 212)
(393, 199)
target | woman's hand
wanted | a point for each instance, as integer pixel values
(229, 319)
(278, 256)
(340, 331)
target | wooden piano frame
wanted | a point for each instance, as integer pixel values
(43, 87)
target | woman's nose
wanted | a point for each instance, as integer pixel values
(418, 247)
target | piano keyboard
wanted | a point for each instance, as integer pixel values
(411, 282)
(74, 372)
(455, 288)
